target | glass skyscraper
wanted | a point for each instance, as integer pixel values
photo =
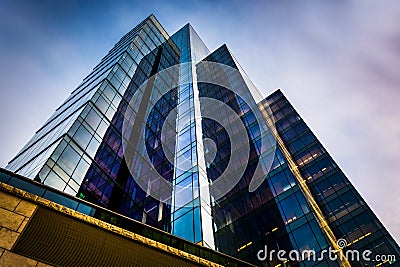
(175, 136)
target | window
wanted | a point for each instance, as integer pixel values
(280, 183)
(82, 137)
(68, 160)
(183, 226)
(293, 207)
(304, 239)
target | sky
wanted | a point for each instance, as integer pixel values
(338, 63)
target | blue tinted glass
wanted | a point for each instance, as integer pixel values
(4, 177)
(304, 239)
(291, 208)
(302, 202)
(183, 227)
(318, 234)
(82, 137)
(184, 192)
(279, 182)
(61, 200)
(86, 209)
(68, 160)
(55, 181)
(31, 188)
(197, 225)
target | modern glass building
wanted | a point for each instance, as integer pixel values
(175, 136)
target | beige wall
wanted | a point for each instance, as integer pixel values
(14, 214)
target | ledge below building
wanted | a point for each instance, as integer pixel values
(35, 231)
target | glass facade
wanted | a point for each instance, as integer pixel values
(284, 190)
(346, 213)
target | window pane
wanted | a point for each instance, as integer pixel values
(305, 239)
(183, 227)
(68, 160)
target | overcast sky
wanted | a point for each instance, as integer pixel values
(338, 62)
